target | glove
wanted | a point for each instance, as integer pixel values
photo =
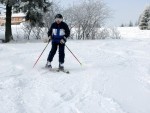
(63, 41)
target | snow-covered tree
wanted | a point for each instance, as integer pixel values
(50, 15)
(48, 19)
(144, 19)
(130, 24)
(33, 8)
(87, 17)
(149, 24)
(122, 25)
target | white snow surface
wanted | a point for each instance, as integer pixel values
(114, 77)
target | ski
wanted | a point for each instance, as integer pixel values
(57, 70)
(63, 70)
(49, 70)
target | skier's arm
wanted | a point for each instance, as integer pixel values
(67, 34)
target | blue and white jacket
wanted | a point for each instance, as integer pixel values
(59, 31)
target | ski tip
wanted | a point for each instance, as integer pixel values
(68, 72)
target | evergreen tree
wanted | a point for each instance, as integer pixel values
(149, 24)
(34, 9)
(122, 25)
(130, 24)
(145, 19)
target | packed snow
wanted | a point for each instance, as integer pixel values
(114, 77)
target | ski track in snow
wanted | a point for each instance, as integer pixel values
(114, 76)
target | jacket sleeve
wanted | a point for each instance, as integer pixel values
(67, 31)
(50, 31)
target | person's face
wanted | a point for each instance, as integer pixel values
(58, 20)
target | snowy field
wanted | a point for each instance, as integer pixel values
(114, 78)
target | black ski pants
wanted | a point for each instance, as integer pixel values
(53, 52)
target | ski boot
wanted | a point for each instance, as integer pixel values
(61, 66)
(48, 65)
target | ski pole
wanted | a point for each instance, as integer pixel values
(73, 55)
(41, 54)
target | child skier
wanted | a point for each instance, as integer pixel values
(58, 34)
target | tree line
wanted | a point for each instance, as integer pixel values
(143, 21)
(84, 19)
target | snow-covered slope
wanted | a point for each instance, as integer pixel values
(114, 78)
(133, 32)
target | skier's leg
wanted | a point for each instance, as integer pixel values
(61, 54)
(52, 52)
